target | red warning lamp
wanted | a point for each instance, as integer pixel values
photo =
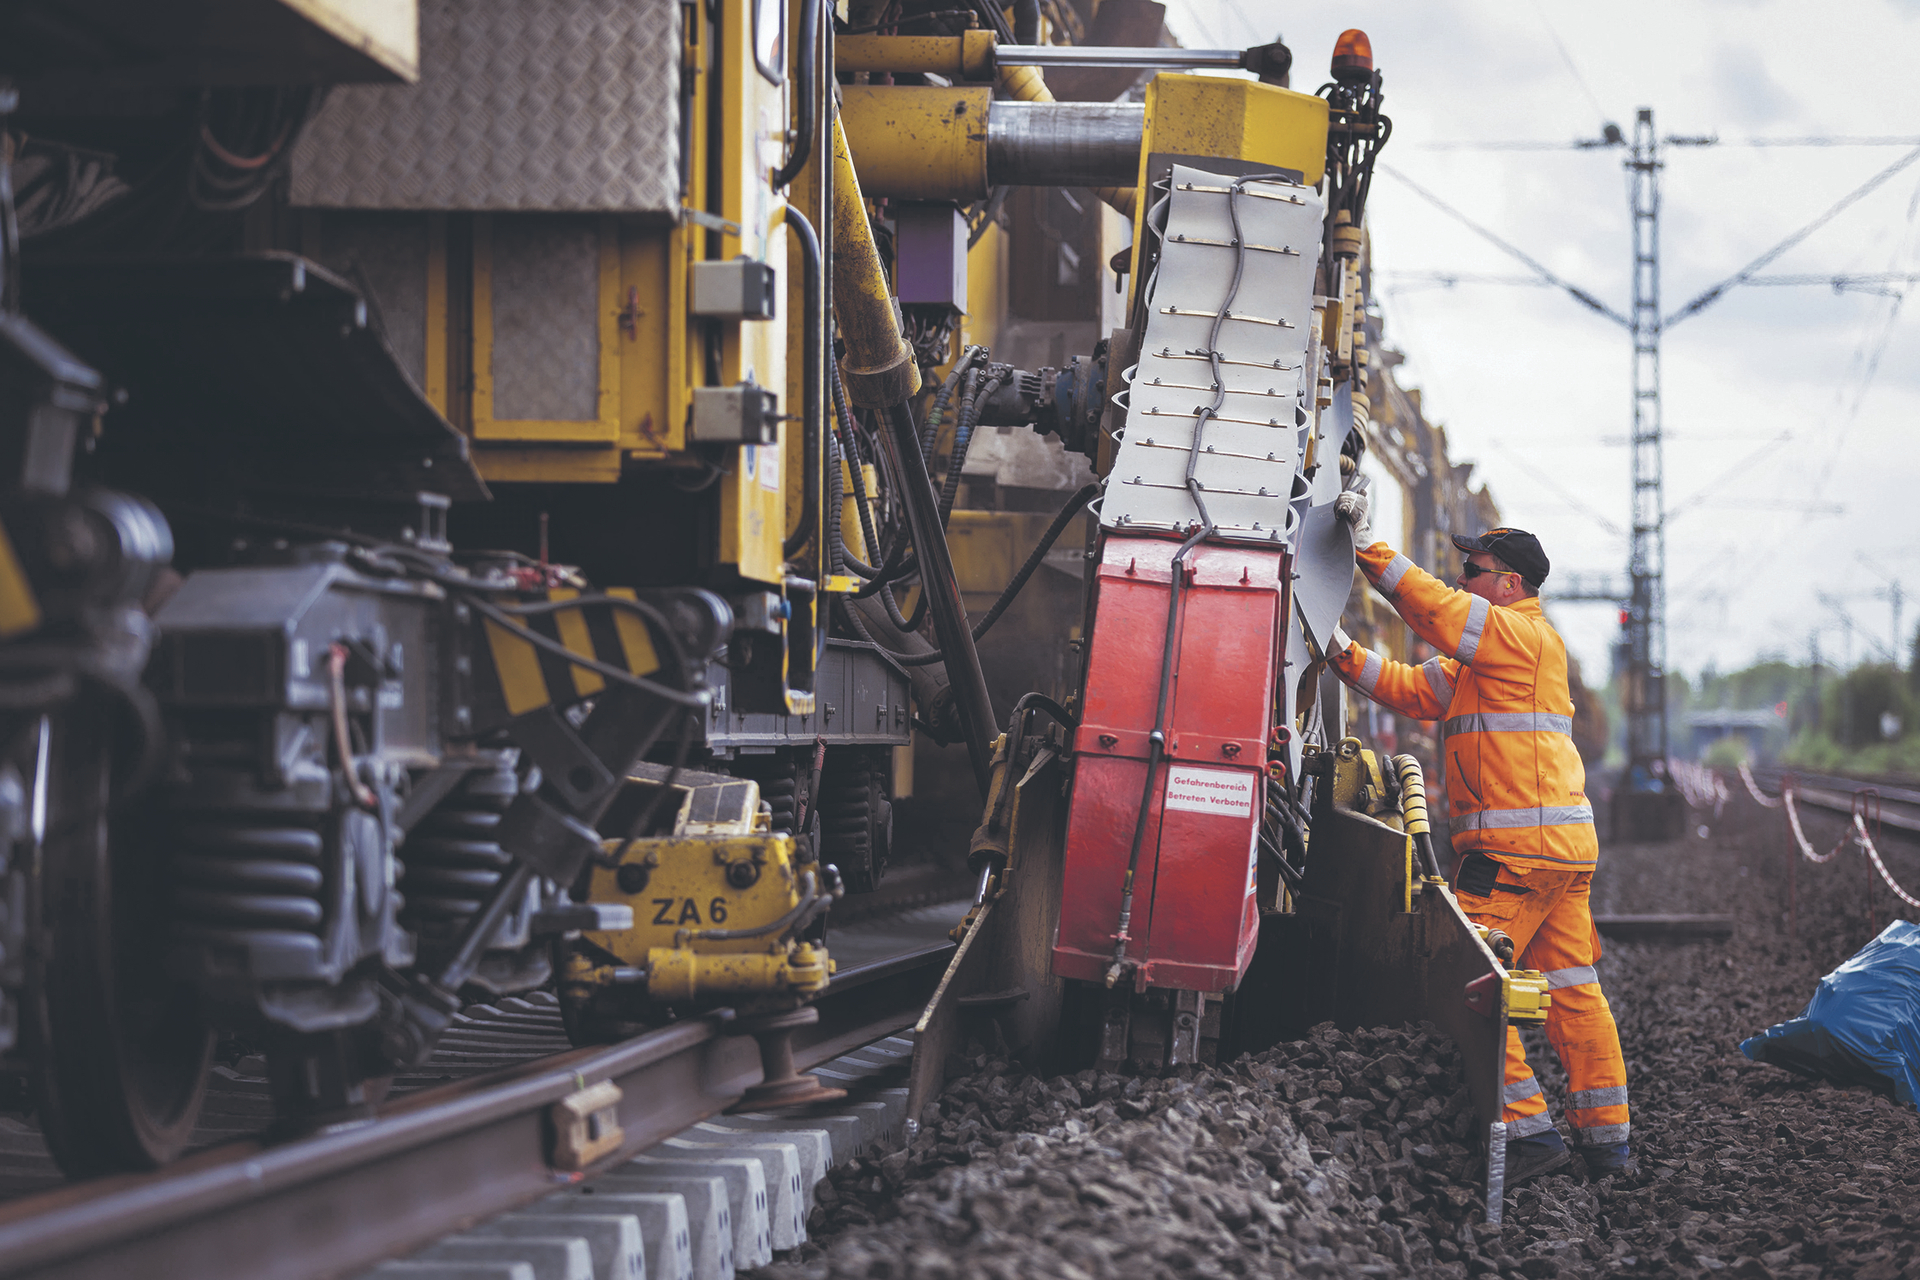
(1353, 57)
(1780, 709)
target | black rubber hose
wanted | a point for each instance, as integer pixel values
(900, 438)
(905, 621)
(1026, 21)
(990, 11)
(1061, 520)
(814, 345)
(893, 565)
(808, 91)
(936, 416)
(836, 500)
(963, 440)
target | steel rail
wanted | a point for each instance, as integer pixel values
(346, 1198)
(1899, 806)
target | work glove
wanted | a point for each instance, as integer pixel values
(1352, 505)
(1336, 644)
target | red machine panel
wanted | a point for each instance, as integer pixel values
(1194, 917)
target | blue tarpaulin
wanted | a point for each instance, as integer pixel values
(1862, 1025)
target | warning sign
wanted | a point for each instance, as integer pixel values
(1216, 791)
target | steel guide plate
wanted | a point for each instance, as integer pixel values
(1252, 446)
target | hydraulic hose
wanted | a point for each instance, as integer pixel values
(901, 439)
(814, 345)
(936, 416)
(1413, 809)
(963, 438)
(1026, 21)
(1061, 520)
(808, 93)
(880, 373)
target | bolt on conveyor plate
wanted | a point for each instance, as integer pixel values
(1252, 443)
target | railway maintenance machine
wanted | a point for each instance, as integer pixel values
(479, 481)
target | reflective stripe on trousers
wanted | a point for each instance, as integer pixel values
(1552, 926)
(1527, 1126)
(1520, 1090)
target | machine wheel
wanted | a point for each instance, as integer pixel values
(123, 1053)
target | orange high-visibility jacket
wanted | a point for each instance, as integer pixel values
(1516, 789)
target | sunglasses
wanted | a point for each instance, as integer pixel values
(1470, 570)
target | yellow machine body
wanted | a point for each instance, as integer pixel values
(694, 887)
(919, 143)
(1191, 115)
(967, 56)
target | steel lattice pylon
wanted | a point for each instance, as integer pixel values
(1646, 695)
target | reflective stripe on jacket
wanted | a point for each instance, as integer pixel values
(1516, 787)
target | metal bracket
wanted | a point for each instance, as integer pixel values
(1183, 1045)
(586, 1127)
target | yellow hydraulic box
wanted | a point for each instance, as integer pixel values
(718, 910)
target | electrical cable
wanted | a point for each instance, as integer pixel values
(1593, 99)
(894, 565)
(1061, 520)
(990, 10)
(510, 615)
(1712, 294)
(1533, 264)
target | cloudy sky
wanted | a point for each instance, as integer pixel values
(1792, 413)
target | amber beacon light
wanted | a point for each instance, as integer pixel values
(1352, 57)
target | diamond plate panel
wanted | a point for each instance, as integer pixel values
(385, 256)
(1251, 447)
(546, 322)
(521, 104)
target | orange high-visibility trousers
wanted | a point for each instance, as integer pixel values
(1548, 914)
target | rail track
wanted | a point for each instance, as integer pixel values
(1898, 806)
(477, 1132)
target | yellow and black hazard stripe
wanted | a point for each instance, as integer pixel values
(19, 610)
(528, 678)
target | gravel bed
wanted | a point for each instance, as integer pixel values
(1352, 1153)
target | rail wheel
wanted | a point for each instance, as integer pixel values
(123, 1051)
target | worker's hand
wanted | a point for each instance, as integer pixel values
(1352, 506)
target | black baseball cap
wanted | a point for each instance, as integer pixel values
(1518, 548)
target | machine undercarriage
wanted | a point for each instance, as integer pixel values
(426, 582)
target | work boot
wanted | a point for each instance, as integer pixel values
(1606, 1161)
(1532, 1156)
